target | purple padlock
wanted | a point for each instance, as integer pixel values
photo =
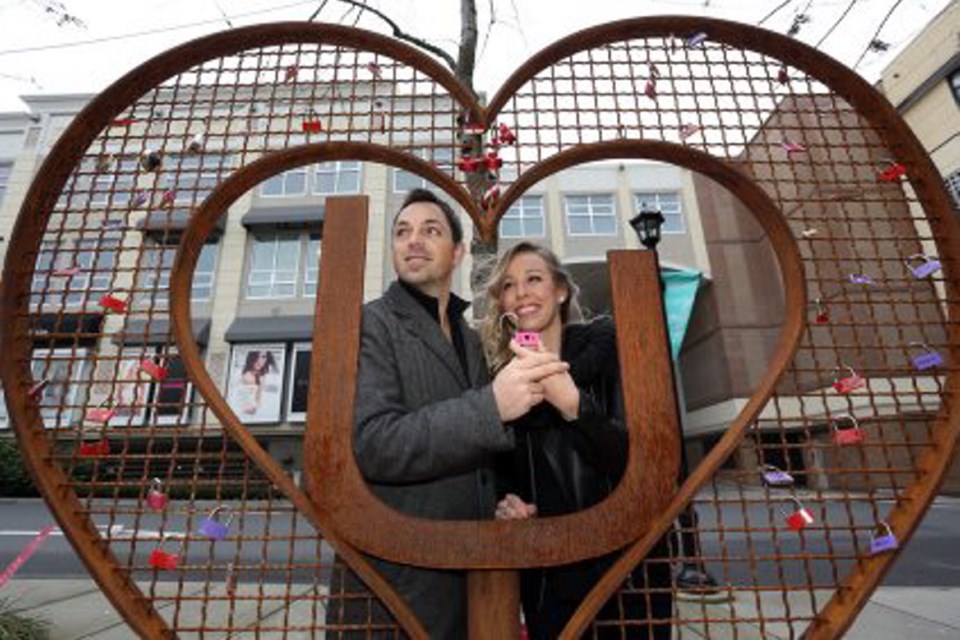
(211, 526)
(856, 278)
(928, 359)
(928, 267)
(774, 477)
(884, 542)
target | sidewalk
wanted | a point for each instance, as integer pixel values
(77, 611)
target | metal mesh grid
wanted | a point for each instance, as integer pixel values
(97, 317)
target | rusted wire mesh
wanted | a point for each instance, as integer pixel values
(847, 445)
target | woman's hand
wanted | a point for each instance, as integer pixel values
(513, 508)
(559, 388)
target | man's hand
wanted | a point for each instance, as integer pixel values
(513, 508)
(517, 388)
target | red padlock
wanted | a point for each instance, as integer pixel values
(492, 161)
(823, 314)
(469, 164)
(156, 498)
(783, 77)
(312, 126)
(892, 173)
(94, 449)
(505, 135)
(650, 90)
(160, 559)
(490, 196)
(36, 389)
(849, 383)
(152, 369)
(799, 519)
(99, 415)
(851, 434)
(112, 303)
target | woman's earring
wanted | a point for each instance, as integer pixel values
(561, 300)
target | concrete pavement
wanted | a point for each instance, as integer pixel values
(78, 611)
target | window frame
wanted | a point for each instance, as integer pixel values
(304, 171)
(76, 389)
(339, 169)
(277, 235)
(437, 158)
(638, 202)
(591, 214)
(522, 219)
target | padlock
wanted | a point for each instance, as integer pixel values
(168, 198)
(312, 126)
(211, 526)
(849, 383)
(852, 434)
(195, 145)
(139, 199)
(800, 518)
(860, 278)
(695, 40)
(774, 477)
(156, 498)
(822, 313)
(151, 161)
(650, 90)
(783, 77)
(474, 129)
(67, 272)
(160, 559)
(94, 449)
(490, 196)
(469, 164)
(112, 303)
(290, 73)
(374, 69)
(928, 359)
(36, 389)
(122, 122)
(152, 369)
(527, 339)
(99, 415)
(688, 130)
(792, 147)
(892, 173)
(883, 542)
(928, 267)
(492, 161)
(505, 136)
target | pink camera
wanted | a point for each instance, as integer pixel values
(528, 339)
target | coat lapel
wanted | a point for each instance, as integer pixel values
(418, 322)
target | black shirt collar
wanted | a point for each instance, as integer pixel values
(455, 307)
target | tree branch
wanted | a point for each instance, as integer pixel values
(400, 34)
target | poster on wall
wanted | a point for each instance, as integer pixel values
(131, 391)
(299, 382)
(62, 394)
(255, 382)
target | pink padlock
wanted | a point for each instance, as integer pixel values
(99, 415)
(849, 383)
(799, 519)
(156, 498)
(527, 339)
(152, 370)
(850, 433)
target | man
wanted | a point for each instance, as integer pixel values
(427, 419)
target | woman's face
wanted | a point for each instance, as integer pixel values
(530, 294)
(260, 362)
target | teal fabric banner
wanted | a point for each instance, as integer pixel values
(680, 292)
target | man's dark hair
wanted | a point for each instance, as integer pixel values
(425, 195)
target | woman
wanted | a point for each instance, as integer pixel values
(257, 365)
(571, 449)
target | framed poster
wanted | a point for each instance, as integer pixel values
(171, 396)
(299, 382)
(131, 390)
(255, 382)
(64, 370)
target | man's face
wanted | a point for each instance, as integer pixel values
(424, 253)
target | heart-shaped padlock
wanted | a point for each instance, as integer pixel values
(847, 383)
(161, 559)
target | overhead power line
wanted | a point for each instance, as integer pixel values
(138, 34)
(876, 34)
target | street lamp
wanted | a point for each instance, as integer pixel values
(648, 225)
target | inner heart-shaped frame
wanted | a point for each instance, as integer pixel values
(803, 144)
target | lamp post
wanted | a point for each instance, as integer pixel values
(693, 576)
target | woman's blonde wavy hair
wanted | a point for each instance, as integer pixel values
(493, 332)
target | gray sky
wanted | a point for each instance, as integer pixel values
(35, 60)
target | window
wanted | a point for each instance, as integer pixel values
(154, 282)
(274, 264)
(299, 383)
(5, 170)
(63, 396)
(113, 184)
(193, 176)
(524, 219)
(954, 80)
(953, 188)
(591, 215)
(287, 184)
(311, 273)
(404, 181)
(669, 206)
(255, 382)
(341, 176)
(96, 260)
(44, 281)
(4, 418)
